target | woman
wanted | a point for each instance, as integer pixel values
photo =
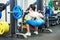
(34, 22)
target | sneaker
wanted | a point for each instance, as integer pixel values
(36, 32)
(28, 34)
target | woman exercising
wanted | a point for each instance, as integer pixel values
(35, 20)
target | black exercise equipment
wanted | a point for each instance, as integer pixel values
(39, 5)
(2, 6)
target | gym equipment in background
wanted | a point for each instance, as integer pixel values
(17, 12)
(4, 27)
(0, 14)
(2, 7)
(51, 4)
(48, 11)
(52, 20)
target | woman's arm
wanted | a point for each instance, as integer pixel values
(40, 15)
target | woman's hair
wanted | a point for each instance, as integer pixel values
(32, 6)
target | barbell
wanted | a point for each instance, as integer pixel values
(17, 12)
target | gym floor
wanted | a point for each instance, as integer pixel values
(42, 36)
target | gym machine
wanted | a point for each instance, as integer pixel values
(13, 21)
(42, 9)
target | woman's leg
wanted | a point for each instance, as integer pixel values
(28, 28)
(36, 30)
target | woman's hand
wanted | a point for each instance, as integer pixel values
(32, 15)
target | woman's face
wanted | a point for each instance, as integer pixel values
(30, 9)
